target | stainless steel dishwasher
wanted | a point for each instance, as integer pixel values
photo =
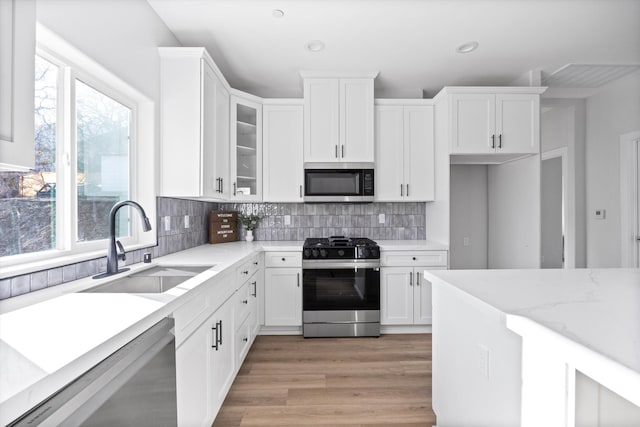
(135, 386)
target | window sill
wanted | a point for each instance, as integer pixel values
(60, 261)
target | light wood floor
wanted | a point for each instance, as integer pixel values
(353, 382)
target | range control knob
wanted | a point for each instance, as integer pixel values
(375, 253)
(307, 253)
(365, 252)
(315, 253)
(341, 252)
(323, 253)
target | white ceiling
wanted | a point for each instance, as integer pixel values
(410, 42)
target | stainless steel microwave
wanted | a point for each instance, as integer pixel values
(338, 182)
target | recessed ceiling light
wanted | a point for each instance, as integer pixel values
(467, 47)
(277, 13)
(315, 46)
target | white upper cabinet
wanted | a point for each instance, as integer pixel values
(338, 119)
(17, 62)
(404, 146)
(486, 121)
(246, 148)
(282, 142)
(194, 125)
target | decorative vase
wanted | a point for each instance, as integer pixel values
(249, 236)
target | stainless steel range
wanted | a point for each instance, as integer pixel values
(340, 287)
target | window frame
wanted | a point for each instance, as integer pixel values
(74, 66)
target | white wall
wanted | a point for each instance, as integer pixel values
(563, 125)
(437, 212)
(611, 112)
(468, 217)
(514, 214)
(122, 36)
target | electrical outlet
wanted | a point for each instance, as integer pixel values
(287, 220)
(483, 360)
(167, 223)
(186, 221)
(465, 241)
(601, 213)
(381, 218)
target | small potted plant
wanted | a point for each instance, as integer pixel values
(250, 222)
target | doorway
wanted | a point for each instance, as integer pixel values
(630, 199)
(552, 200)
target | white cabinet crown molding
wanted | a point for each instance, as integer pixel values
(308, 74)
(174, 52)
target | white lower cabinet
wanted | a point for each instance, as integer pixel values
(205, 368)
(405, 296)
(283, 296)
(213, 340)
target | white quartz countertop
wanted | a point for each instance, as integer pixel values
(596, 310)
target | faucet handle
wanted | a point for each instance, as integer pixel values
(122, 255)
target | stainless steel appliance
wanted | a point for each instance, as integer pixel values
(135, 386)
(340, 287)
(338, 182)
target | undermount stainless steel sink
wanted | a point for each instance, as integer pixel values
(153, 280)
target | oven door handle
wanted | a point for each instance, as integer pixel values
(339, 265)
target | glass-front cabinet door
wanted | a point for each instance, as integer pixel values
(246, 149)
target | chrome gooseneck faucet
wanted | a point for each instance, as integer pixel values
(112, 251)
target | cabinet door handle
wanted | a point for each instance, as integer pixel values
(298, 279)
(401, 190)
(493, 141)
(500, 141)
(234, 188)
(336, 151)
(245, 301)
(255, 289)
(301, 191)
(255, 262)
(245, 339)
(220, 337)
(342, 149)
(411, 278)
(407, 190)
(222, 185)
(417, 279)
(214, 331)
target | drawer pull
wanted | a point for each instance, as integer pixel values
(283, 259)
(414, 258)
(244, 301)
(255, 262)
(255, 289)
(245, 339)
(245, 272)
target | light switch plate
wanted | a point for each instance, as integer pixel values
(186, 221)
(381, 218)
(167, 223)
(287, 220)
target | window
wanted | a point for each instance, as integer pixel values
(88, 124)
(102, 153)
(27, 199)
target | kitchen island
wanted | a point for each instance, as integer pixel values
(536, 347)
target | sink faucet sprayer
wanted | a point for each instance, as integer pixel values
(112, 252)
